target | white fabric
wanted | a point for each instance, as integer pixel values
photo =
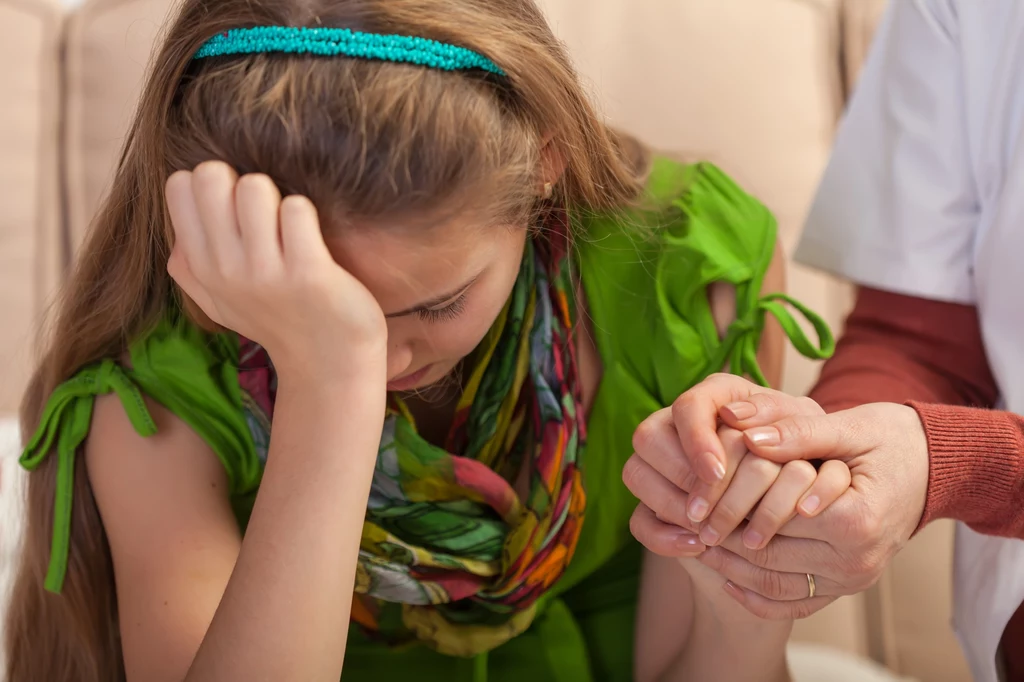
(816, 663)
(924, 195)
(11, 517)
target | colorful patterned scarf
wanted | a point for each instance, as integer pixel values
(450, 555)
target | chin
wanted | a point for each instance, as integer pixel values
(437, 376)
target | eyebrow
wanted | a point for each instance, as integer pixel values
(436, 301)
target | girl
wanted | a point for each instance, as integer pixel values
(438, 160)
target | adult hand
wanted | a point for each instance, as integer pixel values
(848, 546)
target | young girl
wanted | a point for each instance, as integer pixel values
(455, 217)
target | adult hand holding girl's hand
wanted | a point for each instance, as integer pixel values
(845, 547)
(258, 265)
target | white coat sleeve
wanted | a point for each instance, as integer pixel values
(897, 208)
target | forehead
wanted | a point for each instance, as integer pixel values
(404, 264)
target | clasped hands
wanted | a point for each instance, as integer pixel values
(725, 475)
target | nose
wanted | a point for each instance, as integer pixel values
(399, 359)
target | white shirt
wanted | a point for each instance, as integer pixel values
(924, 196)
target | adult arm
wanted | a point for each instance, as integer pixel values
(930, 354)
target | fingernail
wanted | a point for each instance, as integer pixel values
(810, 505)
(709, 535)
(718, 469)
(741, 410)
(688, 542)
(752, 539)
(698, 509)
(763, 435)
(734, 591)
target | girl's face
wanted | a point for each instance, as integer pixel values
(440, 288)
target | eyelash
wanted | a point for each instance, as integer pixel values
(445, 314)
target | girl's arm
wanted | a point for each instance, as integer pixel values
(689, 628)
(195, 601)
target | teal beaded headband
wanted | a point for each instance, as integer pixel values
(332, 42)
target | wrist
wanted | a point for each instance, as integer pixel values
(974, 462)
(347, 368)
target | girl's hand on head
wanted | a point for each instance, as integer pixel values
(258, 265)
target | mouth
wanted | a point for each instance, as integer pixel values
(409, 381)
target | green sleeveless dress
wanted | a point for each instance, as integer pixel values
(645, 276)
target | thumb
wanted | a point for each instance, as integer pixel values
(839, 435)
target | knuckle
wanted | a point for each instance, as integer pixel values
(807, 405)
(646, 436)
(867, 527)
(682, 408)
(678, 472)
(763, 558)
(800, 470)
(795, 429)
(721, 378)
(768, 402)
(769, 584)
(633, 473)
(675, 509)
(637, 527)
(767, 518)
(763, 469)
(731, 439)
(866, 565)
(725, 515)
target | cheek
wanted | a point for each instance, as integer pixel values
(454, 339)
(457, 338)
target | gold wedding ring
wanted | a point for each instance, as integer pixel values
(810, 586)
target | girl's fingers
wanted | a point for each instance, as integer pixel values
(657, 443)
(667, 502)
(301, 239)
(833, 480)
(179, 270)
(779, 503)
(753, 478)
(695, 414)
(258, 205)
(704, 497)
(189, 236)
(662, 538)
(213, 184)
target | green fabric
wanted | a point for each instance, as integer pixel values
(645, 274)
(192, 374)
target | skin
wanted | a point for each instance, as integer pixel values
(849, 544)
(191, 591)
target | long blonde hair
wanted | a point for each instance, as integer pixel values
(362, 139)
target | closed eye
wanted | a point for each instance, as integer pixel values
(446, 314)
